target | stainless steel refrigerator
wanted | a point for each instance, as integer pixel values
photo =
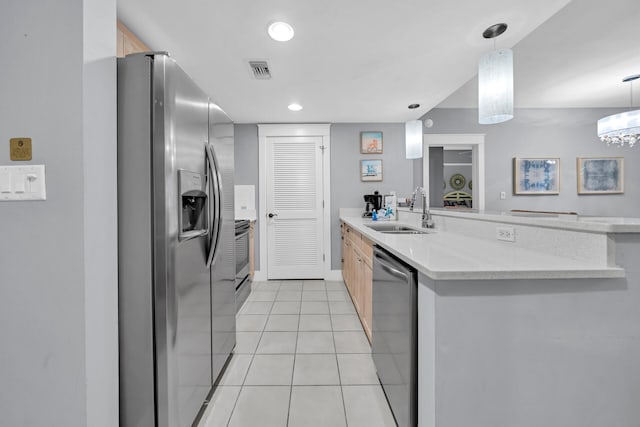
(176, 242)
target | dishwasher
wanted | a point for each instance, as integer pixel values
(394, 345)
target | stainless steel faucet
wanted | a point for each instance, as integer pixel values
(427, 222)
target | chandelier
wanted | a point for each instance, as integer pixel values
(623, 128)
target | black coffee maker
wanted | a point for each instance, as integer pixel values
(372, 201)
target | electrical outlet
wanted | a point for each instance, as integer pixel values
(507, 234)
(503, 195)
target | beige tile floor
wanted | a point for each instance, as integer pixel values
(301, 360)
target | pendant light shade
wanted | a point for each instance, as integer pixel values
(495, 87)
(413, 139)
(620, 129)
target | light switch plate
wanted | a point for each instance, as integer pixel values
(18, 183)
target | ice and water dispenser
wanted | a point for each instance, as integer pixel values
(193, 205)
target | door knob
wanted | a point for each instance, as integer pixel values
(271, 215)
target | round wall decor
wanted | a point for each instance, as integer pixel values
(470, 186)
(457, 181)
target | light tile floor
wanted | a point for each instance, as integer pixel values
(301, 360)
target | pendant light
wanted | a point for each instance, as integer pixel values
(413, 139)
(622, 128)
(495, 81)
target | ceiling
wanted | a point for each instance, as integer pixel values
(366, 61)
(576, 59)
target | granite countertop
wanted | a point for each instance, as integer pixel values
(450, 256)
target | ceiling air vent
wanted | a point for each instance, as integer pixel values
(260, 70)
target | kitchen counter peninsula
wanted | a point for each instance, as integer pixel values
(464, 245)
(543, 330)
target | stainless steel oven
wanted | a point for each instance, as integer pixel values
(243, 283)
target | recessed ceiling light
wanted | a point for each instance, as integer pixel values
(280, 31)
(414, 106)
(295, 107)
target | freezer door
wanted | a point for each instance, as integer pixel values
(182, 278)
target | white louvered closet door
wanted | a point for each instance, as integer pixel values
(294, 198)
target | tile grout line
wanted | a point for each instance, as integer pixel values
(234, 407)
(258, 345)
(296, 350)
(295, 356)
(335, 352)
(249, 367)
(235, 403)
(344, 404)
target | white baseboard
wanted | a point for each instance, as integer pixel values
(259, 276)
(334, 275)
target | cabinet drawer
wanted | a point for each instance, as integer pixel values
(350, 231)
(366, 246)
(354, 236)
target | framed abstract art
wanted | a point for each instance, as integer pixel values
(600, 175)
(536, 176)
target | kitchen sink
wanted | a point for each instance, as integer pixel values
(398, 229)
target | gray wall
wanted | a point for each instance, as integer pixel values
(436, 178)
(58, 317)
(346, 188)
(563, 133)
(100, 212)
(417, 173)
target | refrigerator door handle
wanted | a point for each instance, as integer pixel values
(216, 183)
(218, 202)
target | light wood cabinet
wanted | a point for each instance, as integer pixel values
(350, 266)
(358, 284)
(357, 272)
(127, 42)
(367, 302)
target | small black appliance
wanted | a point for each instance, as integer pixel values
(372, 201)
